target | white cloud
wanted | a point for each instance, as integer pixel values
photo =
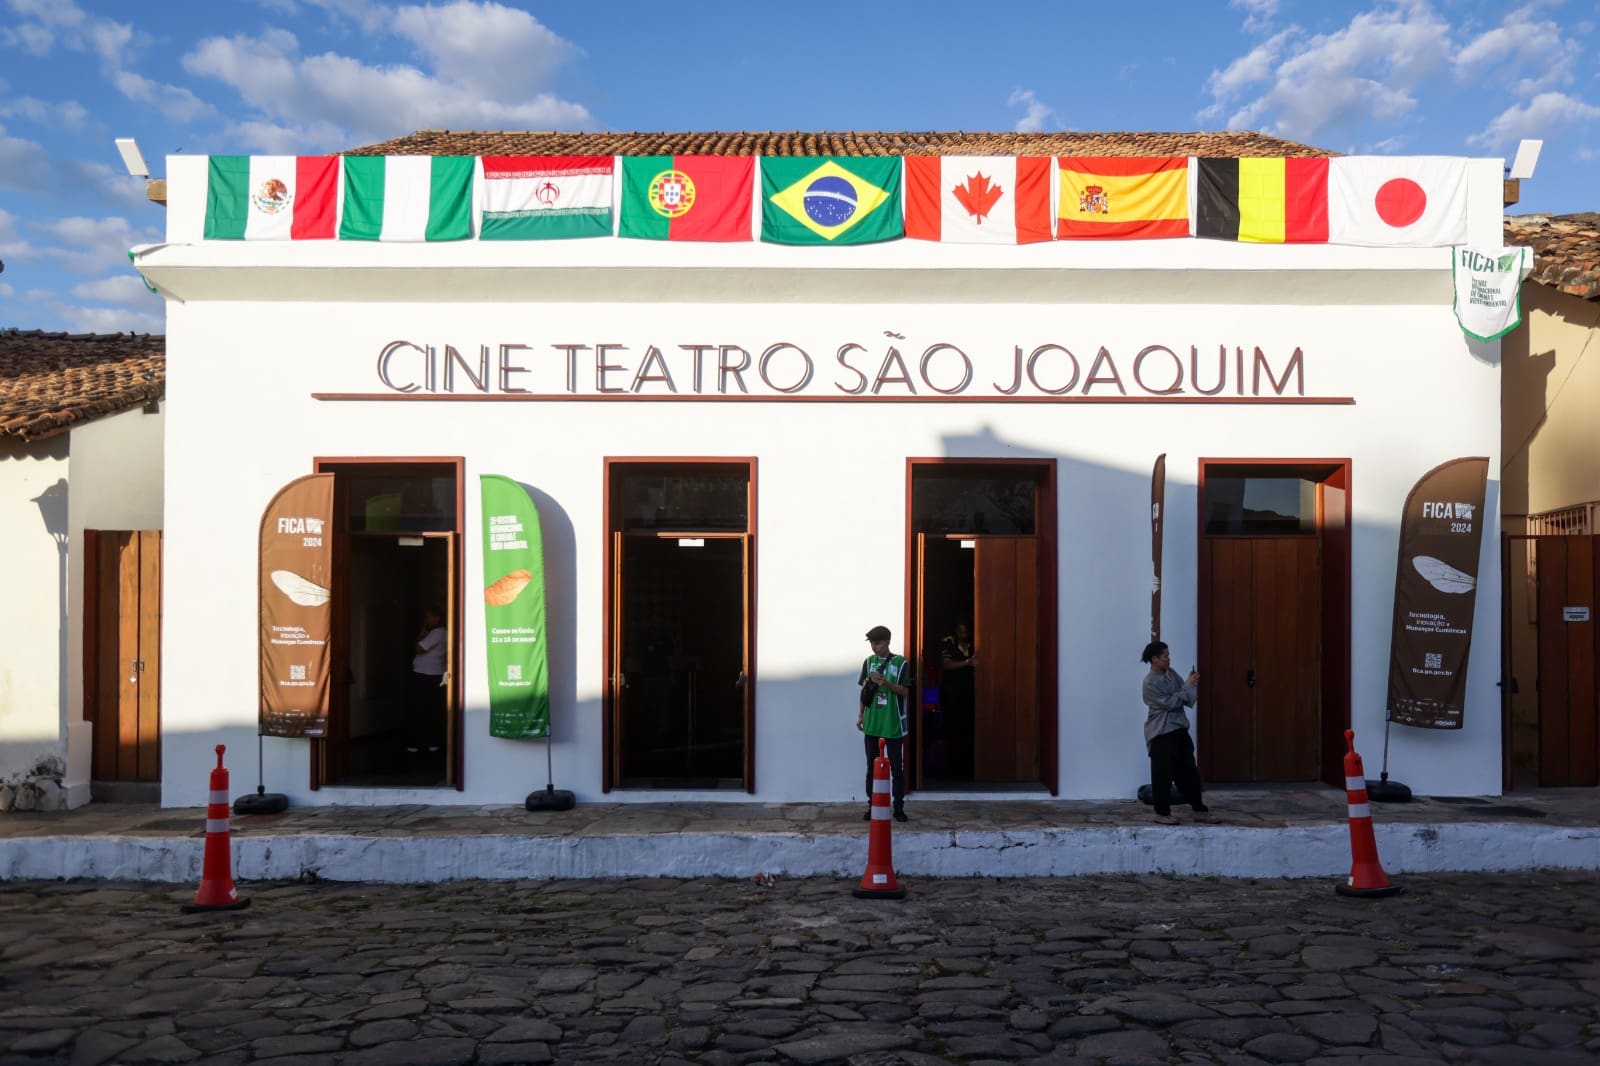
(485, 47)
(1258, 13)
(1547, 116)
(6, 290)
(1529, 54)
(94, 245)
(24, 165)
(1036, 113)
(68, 115)
(123, 289)
(112, 184)
(116, 44)
(329, 98)
(112, 319)
(1368, 69)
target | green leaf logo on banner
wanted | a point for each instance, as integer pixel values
(513, 611)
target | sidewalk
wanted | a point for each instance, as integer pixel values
(1253, 833)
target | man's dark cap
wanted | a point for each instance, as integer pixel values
(878, 633)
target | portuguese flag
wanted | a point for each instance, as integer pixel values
(1266, 201)
(687, 197)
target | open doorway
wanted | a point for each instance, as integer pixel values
(983, 624)
(396, 561)
(680, 632)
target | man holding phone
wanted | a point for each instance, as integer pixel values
(885, 693)
(1166, 732)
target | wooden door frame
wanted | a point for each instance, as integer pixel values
(612, 467)
(1335, 538)
(345, 464)
(1049, 727)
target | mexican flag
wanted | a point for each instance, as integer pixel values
(407, 198)
(546, 197)
(271, 197)
(687, 197)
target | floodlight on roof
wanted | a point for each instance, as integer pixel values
(132, 158)
(1527, 158)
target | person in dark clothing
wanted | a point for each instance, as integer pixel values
(958, 659)
(1166, 733)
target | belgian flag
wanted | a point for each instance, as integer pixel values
(1266, 201)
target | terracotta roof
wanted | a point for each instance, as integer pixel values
(1566, 250)
(50, 382)
(856, 142)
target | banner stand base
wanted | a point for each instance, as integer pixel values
(1386, 791)
(261, 802)
(551, 798)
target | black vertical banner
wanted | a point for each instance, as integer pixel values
(1435, 591)
(1158, 503)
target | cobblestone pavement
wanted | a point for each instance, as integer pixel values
(1501, 970)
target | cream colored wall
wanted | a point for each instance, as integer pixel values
(1551, 391)
(33, 513)
(116, 484)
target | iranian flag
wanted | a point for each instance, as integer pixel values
(687, 197)
(407, 198)
(271, 197)
(1397, 201)
(979, 199)
(546, 197)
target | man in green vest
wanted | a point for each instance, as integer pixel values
(885, 694)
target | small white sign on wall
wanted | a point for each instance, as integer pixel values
(1574, 614)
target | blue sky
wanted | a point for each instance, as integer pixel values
(1449, 77)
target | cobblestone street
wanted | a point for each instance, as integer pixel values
(1494, 969)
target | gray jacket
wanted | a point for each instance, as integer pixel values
(1166, 696)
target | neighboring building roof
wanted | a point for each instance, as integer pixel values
(50, 382)
(1566, 250)
(858, 142)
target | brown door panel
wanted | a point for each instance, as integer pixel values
(1555, 765)
(1227, 697)
(1288, 610)
(994, 729)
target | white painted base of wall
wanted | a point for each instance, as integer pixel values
(1317, 851)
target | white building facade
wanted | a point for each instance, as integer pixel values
(746, 455)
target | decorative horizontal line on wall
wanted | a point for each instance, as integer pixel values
(565, 397)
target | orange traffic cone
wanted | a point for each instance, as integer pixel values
(1366, 875)
(879, 881)
(216, 891)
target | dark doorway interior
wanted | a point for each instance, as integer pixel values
(393, 579)
(948, 696)
(681, 634)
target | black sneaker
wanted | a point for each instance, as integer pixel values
(867, 815)
(900, 815)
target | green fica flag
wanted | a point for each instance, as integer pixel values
(513, 611)
(830, 199)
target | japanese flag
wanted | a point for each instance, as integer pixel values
(1397, 201)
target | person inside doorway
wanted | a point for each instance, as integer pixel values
(425, 725)
(1166, 732)
(958, 659)
(885, 693)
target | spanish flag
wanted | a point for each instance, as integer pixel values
(1267, 201)
(1119, 197)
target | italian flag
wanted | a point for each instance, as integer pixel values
(546, 197)
(407, 198)
(271, 197)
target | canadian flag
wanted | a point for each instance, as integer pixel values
(1397, 201)
(979, 199)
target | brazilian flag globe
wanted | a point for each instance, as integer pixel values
(831, 199)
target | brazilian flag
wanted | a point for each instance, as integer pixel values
(831, 199)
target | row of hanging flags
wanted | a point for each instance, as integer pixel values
(1383, 201)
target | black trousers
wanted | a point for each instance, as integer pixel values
(425, 711)
(897, 767)
(1172, 763)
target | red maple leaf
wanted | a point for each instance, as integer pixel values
(977, 196)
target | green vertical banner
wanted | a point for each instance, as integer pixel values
(513, 611)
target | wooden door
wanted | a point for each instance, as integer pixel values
(1006, 683)
(452, 687)
(1261, 687)
(1569, 751)
(122, 653)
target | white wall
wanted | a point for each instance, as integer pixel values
(33, 513)
(1421, 396)
(116, 485)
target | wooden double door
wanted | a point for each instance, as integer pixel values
(1568, 593)
(122, 653)
(1261, 685)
